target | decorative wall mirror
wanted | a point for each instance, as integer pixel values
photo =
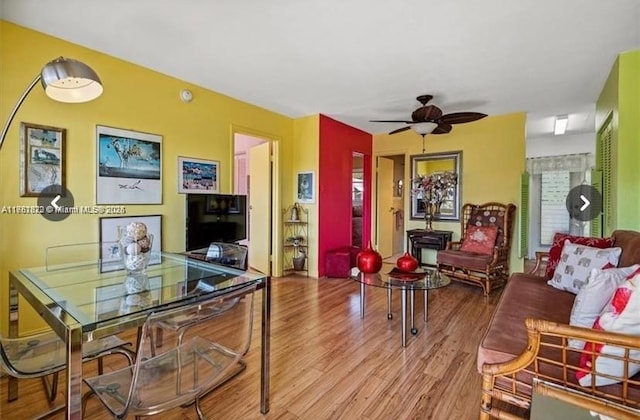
(437, 163)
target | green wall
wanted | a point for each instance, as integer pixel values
(620, 99)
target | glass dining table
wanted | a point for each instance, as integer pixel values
(422, 279)
(85, 301)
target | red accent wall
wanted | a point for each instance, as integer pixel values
(338, 142)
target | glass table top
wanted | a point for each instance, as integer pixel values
(95, 294)
(390, 277)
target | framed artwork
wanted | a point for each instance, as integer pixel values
(113, 300)
(41, 159)
(306, 192)
(198, 176)
(129, 167)
(110, 254)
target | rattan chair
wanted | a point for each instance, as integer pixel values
(44, 355)
(486, 271)
(181, 373)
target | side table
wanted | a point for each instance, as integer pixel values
(425, 280)
(419, 239)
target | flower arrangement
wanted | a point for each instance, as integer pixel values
(433, 188)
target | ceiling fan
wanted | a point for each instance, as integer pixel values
(428, 119)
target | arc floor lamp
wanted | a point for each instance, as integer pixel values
(63, 80)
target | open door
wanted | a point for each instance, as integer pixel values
(385, 211)
(260, 208)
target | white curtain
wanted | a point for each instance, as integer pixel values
(564, 163)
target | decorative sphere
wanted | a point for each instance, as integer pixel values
(133, 249)
(136, 230)
(145, 244)
(369, 260)
(407, 263)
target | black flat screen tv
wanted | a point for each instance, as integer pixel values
(215, 218)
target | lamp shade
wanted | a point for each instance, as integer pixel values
(70, 81)
(424, 128)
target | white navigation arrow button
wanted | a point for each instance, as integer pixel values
(586, 202)
(55, 201)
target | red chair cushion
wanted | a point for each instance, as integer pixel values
(480, 239)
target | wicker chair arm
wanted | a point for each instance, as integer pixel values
(541, 256)
(454, 246)
(538, 327)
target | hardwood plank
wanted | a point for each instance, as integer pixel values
(327, 363)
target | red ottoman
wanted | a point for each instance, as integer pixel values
(338, 262)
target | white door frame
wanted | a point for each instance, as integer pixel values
(276, 214)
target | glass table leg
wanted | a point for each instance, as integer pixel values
(412, 304)
(426, 302)
(403, 314)
(361, 300)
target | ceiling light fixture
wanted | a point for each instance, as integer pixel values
(63, 80)
(424, 128)
(561, 125)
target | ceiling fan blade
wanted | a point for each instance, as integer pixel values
(400, 130)
(393, 121)
(461, 117)
(426, 113)
(442, 129)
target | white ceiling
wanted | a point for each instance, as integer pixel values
(357, 60)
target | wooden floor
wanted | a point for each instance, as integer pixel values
(327, 363)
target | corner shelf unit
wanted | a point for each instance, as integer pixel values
(295, 253)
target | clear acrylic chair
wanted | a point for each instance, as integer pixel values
(44, 354)
(185, 368)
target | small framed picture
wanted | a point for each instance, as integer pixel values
(41, 160)
(198, 176)
(109, 252)
(129, 167)
(306, 190)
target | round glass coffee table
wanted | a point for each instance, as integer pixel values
(391, 278)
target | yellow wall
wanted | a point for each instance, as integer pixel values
(493, 159)
(306, 139)
(134, 98)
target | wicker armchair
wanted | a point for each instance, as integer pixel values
(486, 271)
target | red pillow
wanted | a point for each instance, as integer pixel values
(558, 242)
(480, 239)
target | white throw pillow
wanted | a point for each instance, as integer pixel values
(576, 262)
(620, 315)
(594, 295)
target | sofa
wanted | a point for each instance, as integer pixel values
(528, 338)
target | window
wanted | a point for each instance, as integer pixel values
(554, 217)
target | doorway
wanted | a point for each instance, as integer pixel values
(252, 176)
(390, 225)
(357, 194)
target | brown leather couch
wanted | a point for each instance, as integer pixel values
(527, 338)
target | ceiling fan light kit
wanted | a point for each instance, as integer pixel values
(429, 119)
(424, 128)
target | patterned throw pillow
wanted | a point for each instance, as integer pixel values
(558, 244)
(576, 262)
(621, 315)
(480, 239)
(595, 295)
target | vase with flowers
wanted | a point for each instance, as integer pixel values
(433, 189)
